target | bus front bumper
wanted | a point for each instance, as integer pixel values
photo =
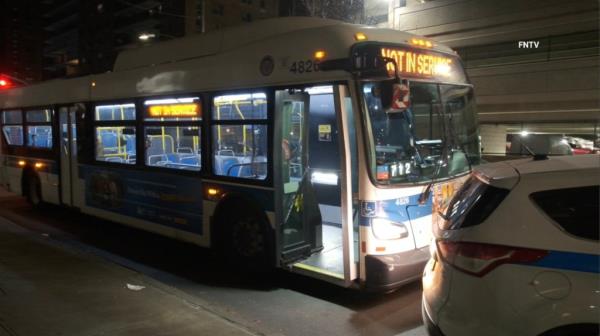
(386, 272)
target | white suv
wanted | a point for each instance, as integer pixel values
(517, 252)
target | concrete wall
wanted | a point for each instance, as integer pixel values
(557, 81)
(493, 139)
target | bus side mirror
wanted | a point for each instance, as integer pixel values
(395, 95)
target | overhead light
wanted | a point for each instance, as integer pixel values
(146, 36)
(524, 133)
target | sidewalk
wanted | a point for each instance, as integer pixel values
(49, 289)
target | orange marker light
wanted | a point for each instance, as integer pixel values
(319, 54)
(22, 163)
(421, 43)
(213, 191)
(39, 165)
(360, 36)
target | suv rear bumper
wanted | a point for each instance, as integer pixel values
(432, 328)
(385, 272)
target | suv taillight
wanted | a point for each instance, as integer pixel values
(479, 259)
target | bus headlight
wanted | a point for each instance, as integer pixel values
(385, 229)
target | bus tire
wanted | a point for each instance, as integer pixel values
(33, 190)
(247, 240)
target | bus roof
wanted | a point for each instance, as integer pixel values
(239, 37)
(226, 59)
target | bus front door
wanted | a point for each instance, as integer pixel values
(312, 181)
(298, 211)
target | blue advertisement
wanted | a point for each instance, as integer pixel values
(167, 199)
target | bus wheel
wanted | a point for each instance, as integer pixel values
(33, 191)
(248, 241)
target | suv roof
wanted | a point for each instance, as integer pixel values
(505, 174)
(557, 164)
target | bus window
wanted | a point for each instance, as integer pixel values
(240, 107)
(240, 135)
(115, 112)
(39, 136)
(39, 128)
(173, 147)
(39, 116)
(115, 142)
(12, 117)
(12, 128)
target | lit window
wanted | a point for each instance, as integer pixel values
(239, 133)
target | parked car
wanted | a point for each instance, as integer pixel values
(517, 252)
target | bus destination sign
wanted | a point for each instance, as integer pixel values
(423, 64)
(416, 63)
(174, 110)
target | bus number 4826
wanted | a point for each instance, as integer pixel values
(299, 67)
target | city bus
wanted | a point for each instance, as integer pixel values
(312, 145)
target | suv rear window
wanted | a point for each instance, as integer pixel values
(574, 209)
(472, 204)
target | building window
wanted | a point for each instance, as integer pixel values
(239, 133)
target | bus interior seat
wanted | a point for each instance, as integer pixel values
(115, 159)
(190, 160)
(185, 150)
(158, 149)
(130, 143)
(228, 166)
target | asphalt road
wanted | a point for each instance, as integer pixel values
(281, 304)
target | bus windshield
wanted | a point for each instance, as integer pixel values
(435, 138)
